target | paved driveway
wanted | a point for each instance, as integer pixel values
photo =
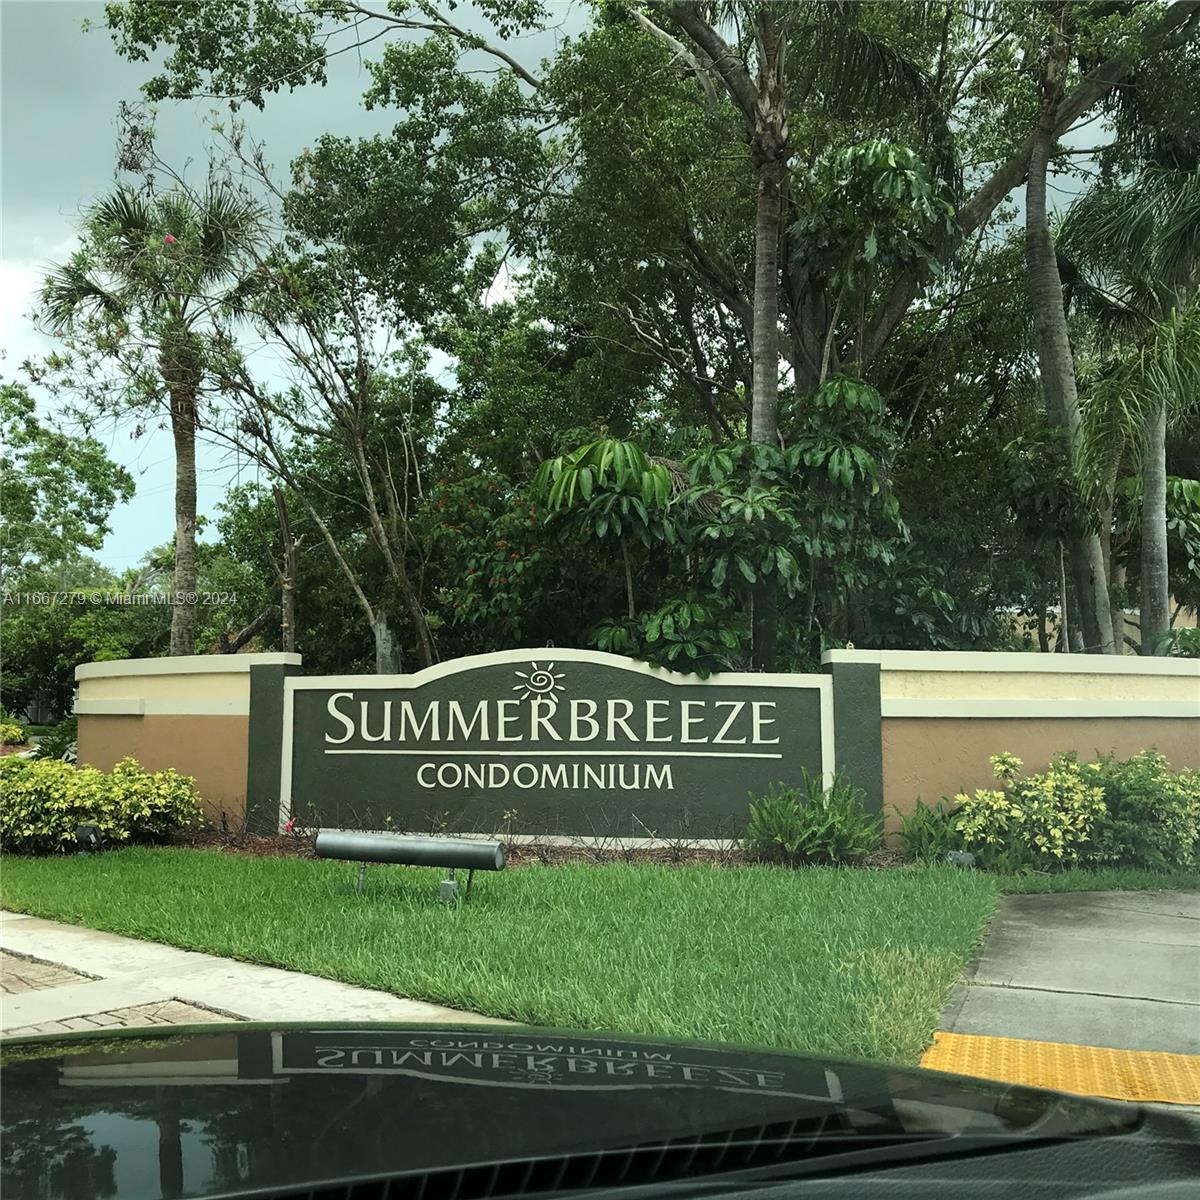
(1118, 969)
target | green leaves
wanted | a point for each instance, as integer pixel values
(698, 636)
(812, 824)
(151, 271)
(56, 491)
(615, 466)
(46, 801)
(1163, 368)
(867, 209)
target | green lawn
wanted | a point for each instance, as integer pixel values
(838, 962)
(1110, 879)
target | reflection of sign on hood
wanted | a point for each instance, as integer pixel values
(536, 1061)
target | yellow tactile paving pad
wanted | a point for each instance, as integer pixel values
(1088, 1070)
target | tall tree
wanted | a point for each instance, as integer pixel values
(839, 62)
(1138, 245)
(152, 272)
(56, 491)
(372, 410)
(1053, 341)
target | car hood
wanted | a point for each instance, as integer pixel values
(469, 1111)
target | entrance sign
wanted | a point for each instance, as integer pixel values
(575, 741)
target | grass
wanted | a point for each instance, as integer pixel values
(845, 963)
(1111, 879)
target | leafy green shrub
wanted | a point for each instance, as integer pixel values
(928, 833)
(811, 824)
(59, 740)
(43, 802)
(1036, 821)
(1152, 814)
(1183, 642)
(12, 734)
(155, 802)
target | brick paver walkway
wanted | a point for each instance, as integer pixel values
(28, 974)
(57, 978)
(169, 1012)
(21, 975)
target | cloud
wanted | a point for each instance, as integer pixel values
(20, 279)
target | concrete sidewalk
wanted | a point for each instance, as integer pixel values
(1116, 969)
(55, 978)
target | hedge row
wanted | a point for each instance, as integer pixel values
(43, 802)
(1135, 812)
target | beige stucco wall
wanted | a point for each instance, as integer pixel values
(1036, 685)
(227, 688)
(213, 750)
(928, 758)
(946, 712)
(191, 713)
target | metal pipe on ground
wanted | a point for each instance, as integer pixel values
(411, 851)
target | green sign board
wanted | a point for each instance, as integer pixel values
(572, 741)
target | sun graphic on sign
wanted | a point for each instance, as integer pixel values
(540, 684)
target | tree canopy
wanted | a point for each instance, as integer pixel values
(722, 335)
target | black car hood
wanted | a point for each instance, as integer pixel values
(466, 1111)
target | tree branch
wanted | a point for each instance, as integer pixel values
(441, 25)
(1177, 25)
(677, 48)
(725, 62)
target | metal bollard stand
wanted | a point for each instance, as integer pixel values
(367, 847)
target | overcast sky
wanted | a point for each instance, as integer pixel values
(60, 89)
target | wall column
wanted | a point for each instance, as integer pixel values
(857, 724)
(265, 757)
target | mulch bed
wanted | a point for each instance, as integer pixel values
(521, 854)
(252, 845)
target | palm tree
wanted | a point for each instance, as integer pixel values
(1056, 364)
(1138, 250)
(159, 267)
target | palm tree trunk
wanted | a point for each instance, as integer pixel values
(1156, 610)
(181, 385)
(1113, 572)
(287, 577)
(1117, 576)
(769, 148)
(765, 398)
(1064, 607)
(1057, 370)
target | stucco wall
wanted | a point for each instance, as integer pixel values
(944, 713)
(190, 713)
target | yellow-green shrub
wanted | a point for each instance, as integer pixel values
(12, 734)
(43, 802)
(155, 803)
(1042, 821)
